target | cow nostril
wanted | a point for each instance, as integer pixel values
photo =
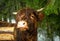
(23, 23)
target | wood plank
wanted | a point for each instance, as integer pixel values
(7, 29)
(6, 37)
(6, 33)
(6, 24)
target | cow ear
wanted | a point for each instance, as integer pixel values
(40, 14)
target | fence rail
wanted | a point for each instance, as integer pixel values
(6, 33)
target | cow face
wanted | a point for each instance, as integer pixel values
(26, 19)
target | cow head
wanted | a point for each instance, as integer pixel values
(26, 19)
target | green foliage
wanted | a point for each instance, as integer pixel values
(52, 7)
(9, 6)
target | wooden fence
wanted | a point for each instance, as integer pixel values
(6, 33)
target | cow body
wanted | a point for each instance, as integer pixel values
(26, 25)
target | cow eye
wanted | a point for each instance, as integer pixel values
(32, 16)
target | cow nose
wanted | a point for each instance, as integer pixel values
(22, 24)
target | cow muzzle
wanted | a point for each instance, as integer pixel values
(22, 25)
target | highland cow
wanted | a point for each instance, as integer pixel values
(26, 25)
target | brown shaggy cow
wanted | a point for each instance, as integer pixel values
(26, 25)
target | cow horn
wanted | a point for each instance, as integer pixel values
(37, 11)
(40, 9)
(14, 13)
